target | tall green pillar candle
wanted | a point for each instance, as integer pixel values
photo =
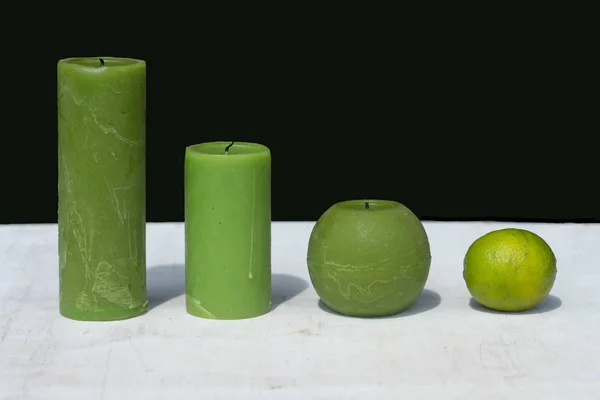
(228, 230)
(101, 188)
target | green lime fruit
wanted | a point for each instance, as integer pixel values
(368, 258)
(509, 269)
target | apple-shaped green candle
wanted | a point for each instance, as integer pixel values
(368, 258)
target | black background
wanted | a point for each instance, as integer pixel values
(452, 124)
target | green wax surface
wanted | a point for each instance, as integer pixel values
(368, 258)
(228, 230)
(101, 188)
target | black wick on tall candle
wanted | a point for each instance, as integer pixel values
(101, 62)
(227, 148)
(367, 205)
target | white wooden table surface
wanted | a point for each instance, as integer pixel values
(444, 347)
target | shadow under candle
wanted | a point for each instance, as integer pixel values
(163, 283)
(166, 282)
(427, 300)
(285, 287)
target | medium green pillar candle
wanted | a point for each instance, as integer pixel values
(228, 230)
(101, 188)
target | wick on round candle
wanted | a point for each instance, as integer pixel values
(367, 205)
(101, 62)
(227, 148)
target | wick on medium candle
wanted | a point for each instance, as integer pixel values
(367, 205)
(101, 62)
(227, 148)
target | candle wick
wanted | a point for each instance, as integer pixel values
(367, 205)
(101, 62)
(227, 148)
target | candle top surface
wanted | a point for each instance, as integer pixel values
(369, 205)
(227, 149)
(100, 64)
